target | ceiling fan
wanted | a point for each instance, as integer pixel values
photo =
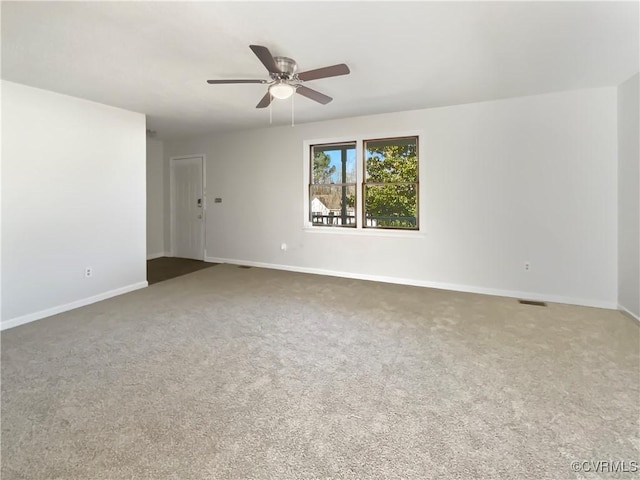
(285, 80)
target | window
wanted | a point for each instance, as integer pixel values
(332, 186)
(390, 187)
(378, 191)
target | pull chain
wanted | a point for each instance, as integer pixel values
(270, 112)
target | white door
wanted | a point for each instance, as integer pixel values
(187, 207)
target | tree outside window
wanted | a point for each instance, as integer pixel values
(391, 183)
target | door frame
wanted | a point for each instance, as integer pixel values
(172, 213)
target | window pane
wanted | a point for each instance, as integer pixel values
(391, 206)
(333, 205)
(391, 160)
(333, 164)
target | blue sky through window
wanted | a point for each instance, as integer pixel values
(336, 160)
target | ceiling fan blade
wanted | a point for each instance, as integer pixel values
(222, 82)
(266, 100)
(313, 95)
(332, 71)
(265, 57)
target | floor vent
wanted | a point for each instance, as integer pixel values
(244, 266)
(532, 302)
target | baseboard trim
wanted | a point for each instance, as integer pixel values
(628, 312)
(32, 317)
(222, 260)
(153, 256)
(421, 283)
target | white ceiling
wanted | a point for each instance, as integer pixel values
(154, 57)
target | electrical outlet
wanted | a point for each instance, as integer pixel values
(527, 266)
(88, 272)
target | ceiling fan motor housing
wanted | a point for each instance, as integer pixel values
(287, 66)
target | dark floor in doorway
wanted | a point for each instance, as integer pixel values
(164, 268)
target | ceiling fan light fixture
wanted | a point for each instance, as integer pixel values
(281, 90)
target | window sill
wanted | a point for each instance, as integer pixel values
(366, 232)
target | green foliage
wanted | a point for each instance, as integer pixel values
(393, 205)
(351, 200)
(322, 170)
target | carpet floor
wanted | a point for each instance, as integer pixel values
(231, 373)
(164, 268)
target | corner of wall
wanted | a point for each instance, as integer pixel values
(155, 196)
(629, 196)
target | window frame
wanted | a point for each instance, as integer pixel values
(364, 183)
(343, 184)
(359, 230)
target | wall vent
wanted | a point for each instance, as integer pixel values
(532, 302)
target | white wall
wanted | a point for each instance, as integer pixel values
(526, 179)
(629, 196)
(155, 199)
(73, 196)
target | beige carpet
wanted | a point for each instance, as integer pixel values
(232, 373)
